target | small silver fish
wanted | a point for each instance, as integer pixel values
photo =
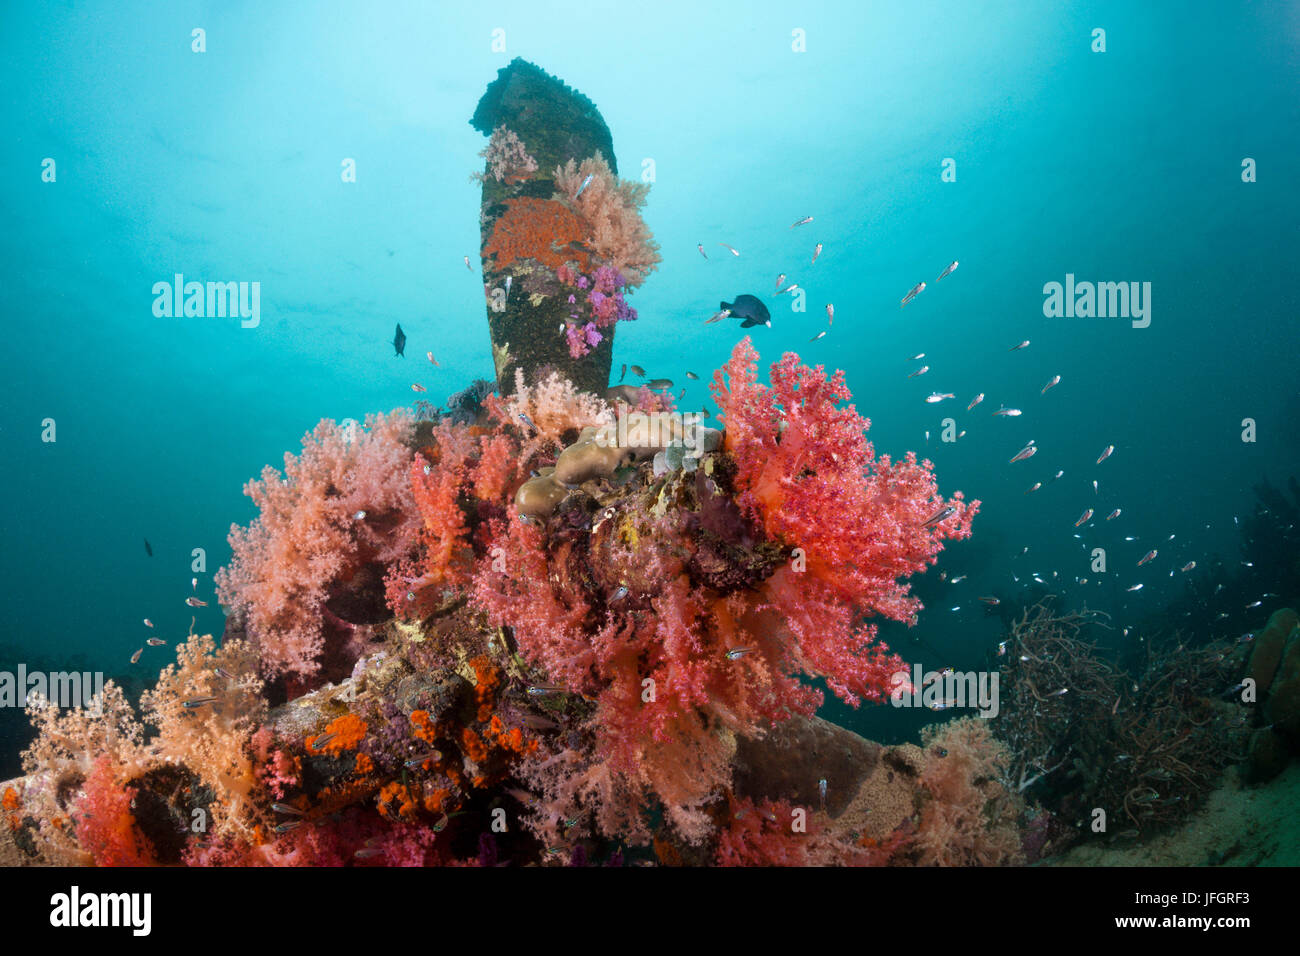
(952, 267)
(527, 421)
(1056, 380)
(536, 722)
(939, 516)
(135, 658)
(729, 249)
(148, 623)
(286, 808)
(736, 653)
(802, 222)
(1110, 449)
(1136, 587)
(821, 791)
(1113, 515)
(420, 760)
(934, 397)
(779, 280)
(920, 371)
(819, 335)
(1022, 345)
(195, 602)
(1149, 556)
(467, 265)
(912, 294)
(359, 516)
(287, 826)
(196, 702)
(155, 642)
(692, 376)
(1007, 412)
(700, 246)
(585, 183)
(830, 313)
(816, 252)
(975, 401)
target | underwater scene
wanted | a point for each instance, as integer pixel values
(570, 435)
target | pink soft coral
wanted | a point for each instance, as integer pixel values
(345, 501)
(507, 159)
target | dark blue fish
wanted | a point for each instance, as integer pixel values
(750, 309)
(148, 549)
(399, 341)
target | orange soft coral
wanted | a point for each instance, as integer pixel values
(396, 802)
(540, 229)
(11, 805)
(343, 733)
(487, 678)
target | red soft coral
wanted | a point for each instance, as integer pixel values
(105, 826)
(808, 475)
(774, 833)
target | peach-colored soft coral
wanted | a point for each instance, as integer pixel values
(213, 739)
(971, 816)
(610, 209)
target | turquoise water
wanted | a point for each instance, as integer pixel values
(1120, 166)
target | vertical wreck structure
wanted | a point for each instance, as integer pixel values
(563, 240)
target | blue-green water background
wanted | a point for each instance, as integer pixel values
(1122, 166)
